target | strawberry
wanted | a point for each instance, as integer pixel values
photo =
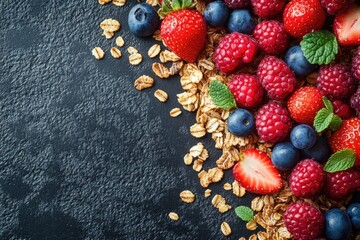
(303, 16)
(347, 26)
(304, 104)
(256, 173)
(183, 29)
(347, 136)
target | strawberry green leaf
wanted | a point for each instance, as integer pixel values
(328, 104)
(336, 123)
(322, 119)
(221, 95)
(245, 213)
(319, 47)
(340, 161)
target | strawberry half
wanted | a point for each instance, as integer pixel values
(256, 173)
(347, 26)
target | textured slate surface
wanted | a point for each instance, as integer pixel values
(83, 154)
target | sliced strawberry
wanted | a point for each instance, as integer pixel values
(347, 26)
(256, 173)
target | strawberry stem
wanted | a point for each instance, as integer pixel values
(168, 6)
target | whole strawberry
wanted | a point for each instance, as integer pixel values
(273, 122)
(183, 29)
(304, 221)
(303, 16)
(276, 77)
(304, 103)
(340, 185)
(268, 8)
(307, 179)
(347, 136)
(247, 90)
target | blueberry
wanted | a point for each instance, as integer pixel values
(241, 21)
(216, 14)
(354, 213)
(320, 152)
(285, 156)
(297, 62)
(241, 122)
(303, 136)
(143, 20)
(337, 225)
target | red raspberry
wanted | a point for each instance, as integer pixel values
(307, 178)
(342, 109)
(233, 50)
(247, 90)
(334, 6)
(341, 184)
(356, 63)
(268, 8)
(271, 36)
(335, 80)
(276, 77)
(355, 101)
(303, 221)
(273, 122)
(236, 3)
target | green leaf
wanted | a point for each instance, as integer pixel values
(336, 123)
(319, 47)
(328, 104)
(176, 4)
(245, 213)
(221, 95)
(322, 119)
(340, 161)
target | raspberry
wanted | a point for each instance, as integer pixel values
(247, 90)
(276, 77)
(341, 184)
(335, 80)
(307, 178)
(233, 50)
(236, 3)
(303, 221)
(342, 109)
(334, 6)
(271, 37)
(356, 63)
(268, 8)
(355, 101)
(273, 122)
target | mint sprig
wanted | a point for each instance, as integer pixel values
(221, 95)
(340, 161)
(319, 47)
(325, 118)
(245, 213)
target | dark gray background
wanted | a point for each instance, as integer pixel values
(83, 154)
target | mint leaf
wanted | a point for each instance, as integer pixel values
(245, 213)
(221, 95)
(336, 123)
(322, 119)
(319, 47)
(340, 161)
(328, 104)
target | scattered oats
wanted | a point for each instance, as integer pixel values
(108, 35)
(198, 164)
(357, 237)
(174, 216)
(98, 53)
(228, 158)
(154, 51)
(152, 2)
(311, 78)
(196, 150)
(237, 189)
(224, 208)
(161, 95)
(143, 82)
(187, 98)
(160, 70)
(262, 235)
(218, 200)
(197, 130)
(251, 225)
(110, 25)
(253, 237)
(116, 53)
(204, 154)
(225, 229)
(207, 64)
(119, 41)
(157, 35)
(187, 196)
(212, 125)
(132, 50)
(242, 238)
(207, 193)
(227, 186)
(167, 56)
(176, 67)
(119, 3)
(257, 204)
(102, 2)
(196, 76)
(207, 177)
(135, 59)
(175, 112)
